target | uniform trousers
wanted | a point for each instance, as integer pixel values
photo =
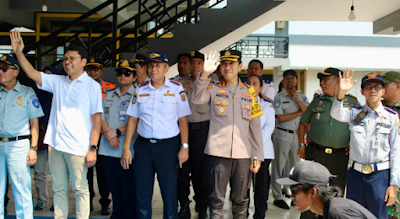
(13, 160)
(237, 173)
(336, 164)
(261, 189)
(286, 146)
(40, 176)
(122, 187)
(62, 166)
(160, 158)
(102, 182)
(196, 165)
(369, 190)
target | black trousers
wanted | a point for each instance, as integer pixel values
(101, 181)
(122, 187)
(336, 164)
(196, 165)
(160, 158)
(261, 189)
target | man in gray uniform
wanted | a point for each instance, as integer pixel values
(199, 122)
(289, 106)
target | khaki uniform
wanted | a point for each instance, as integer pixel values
(286, 142)
(233, 139)
(200, 112)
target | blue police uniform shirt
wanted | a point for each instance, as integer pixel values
(115, 106)
(158, 110)
(383, 123)
(17, 107)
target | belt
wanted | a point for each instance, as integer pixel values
(199, 125)
(154, 141)
(369, 168)
(6, 139)
(289, 131)
(327, 150)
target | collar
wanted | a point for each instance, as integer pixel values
(284, 92)
(379, 111)
(81, 78)
(167, 83)
(17, 87)
(223, 83)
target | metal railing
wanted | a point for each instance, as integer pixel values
(262, 47)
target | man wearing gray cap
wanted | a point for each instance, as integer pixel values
(310, 188)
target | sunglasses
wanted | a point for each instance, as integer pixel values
(126, 73)
(377, 87)
(5, 68)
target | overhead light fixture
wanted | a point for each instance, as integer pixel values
(44, 6)
(352, 15)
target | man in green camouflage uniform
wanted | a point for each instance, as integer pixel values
(392, 100)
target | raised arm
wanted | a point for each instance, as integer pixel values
(338, 112)
(18, 46)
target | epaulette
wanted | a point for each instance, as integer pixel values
(351, 96)
(268, 100)
(112, 90)
(267, 81)
(175, 82)
(144, 83)
(390, 110)
(356, 106)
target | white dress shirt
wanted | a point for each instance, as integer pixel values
(382, 122)
(74, 102)
(268, 89)
(267, 127)
(158, 110)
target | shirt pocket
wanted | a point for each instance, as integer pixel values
(246, 110)
(383, 136)
(144, 104)
(169, 104)
(107, 107)
(221, 107)
(203, 108)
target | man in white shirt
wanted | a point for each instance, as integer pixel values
(74, 125)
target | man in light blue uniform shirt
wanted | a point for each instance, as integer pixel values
(159, 110)
(374, 172)
(113, 124)
(19, 113)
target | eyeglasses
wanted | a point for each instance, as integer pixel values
(92, 69)
(126, 73)
(5, 68)
(70, 59)
(377, 87)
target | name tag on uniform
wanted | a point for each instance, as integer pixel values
(375, 142)
(122, 115)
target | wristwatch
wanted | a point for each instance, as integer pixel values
(118, 132)
(34, 148)
(93, 147)
(302, 144)
(185, 145)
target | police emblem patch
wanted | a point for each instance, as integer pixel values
(225, 102)
(277, 102)
(20, 98)
(183, 96)
(209, 87)
(35, 103)
(221, 109)
(218, 102)
(222, 91)
(306, 99)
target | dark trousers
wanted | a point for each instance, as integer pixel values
(237, 173)
(369, 190)
(122, 187)
(160, 158)
(336, 164)
(261, 189)
(101, 181)
(196, 165)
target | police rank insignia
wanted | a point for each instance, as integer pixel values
(222, 91)
(183, 96)
(20, 103)
(209, 87)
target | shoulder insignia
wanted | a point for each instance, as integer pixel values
(175, 82)
(267, 81)
(356, 106)
(144, 83)
(112, 89)
(351, 96)
(390, 110)
(306, 99)
(277, 102)
(268, 100)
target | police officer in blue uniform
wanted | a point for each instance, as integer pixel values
(20, 110)
(159, 110)
(374, 172)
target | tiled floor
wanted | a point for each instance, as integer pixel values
(273, 212)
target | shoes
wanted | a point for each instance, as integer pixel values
(281, 204)
(105, 210)
(285, 193)
(184, 212)
(202, 210)
(40, 206)
(52, 208)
